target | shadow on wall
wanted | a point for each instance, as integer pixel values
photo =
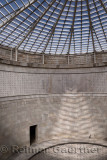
(71, 116)
(75, 116)
(80, 117)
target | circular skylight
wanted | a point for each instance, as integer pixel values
(54, 26)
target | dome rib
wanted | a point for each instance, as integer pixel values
(44, 26)
(17, 13)
(36, 22)
(54, 26)
(103, 6)
(72, 27)
(63, 28)
(100, 20)
(90, 24)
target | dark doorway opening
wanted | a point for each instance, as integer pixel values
(33, 134)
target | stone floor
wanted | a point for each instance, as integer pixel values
(52, 150)
(73, 152)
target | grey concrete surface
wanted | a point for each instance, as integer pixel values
(64, 103)
(73, 152)
(18, 81)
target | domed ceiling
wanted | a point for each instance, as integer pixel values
(54, 26)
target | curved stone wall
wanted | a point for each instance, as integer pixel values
(77, 117)
(73, 61)
(64, 103)
(19, 81)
